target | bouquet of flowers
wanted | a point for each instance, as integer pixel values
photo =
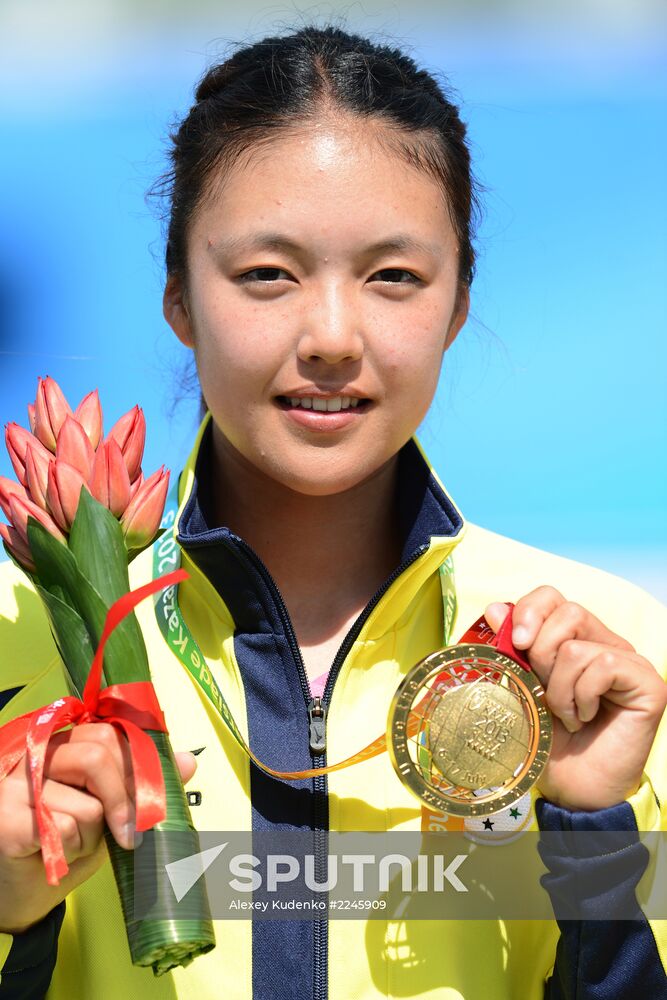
(80, 511)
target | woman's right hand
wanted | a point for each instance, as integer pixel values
(87, 782)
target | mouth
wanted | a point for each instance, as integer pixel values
(320, 405)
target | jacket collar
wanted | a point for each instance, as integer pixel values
(430, 523)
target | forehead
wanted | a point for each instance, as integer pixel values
(336, 178)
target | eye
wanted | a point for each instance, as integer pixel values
(394, 276)
(265, 275)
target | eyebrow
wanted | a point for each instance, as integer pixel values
(278, 241)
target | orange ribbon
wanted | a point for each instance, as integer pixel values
(132, 707)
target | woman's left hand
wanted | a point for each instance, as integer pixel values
(606, 699)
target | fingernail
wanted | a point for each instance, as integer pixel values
(131, 837)
(520, 636)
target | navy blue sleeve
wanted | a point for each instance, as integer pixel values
(598, 958)
(27, 971)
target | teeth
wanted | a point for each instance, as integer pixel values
(323, 405)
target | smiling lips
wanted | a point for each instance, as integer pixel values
(332, 405)
(318, 412)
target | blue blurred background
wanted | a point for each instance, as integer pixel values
(550, 424)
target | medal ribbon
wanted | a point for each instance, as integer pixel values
(177, 635)
(132, 707)
(481, 632)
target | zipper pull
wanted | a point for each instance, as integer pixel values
(317, 714)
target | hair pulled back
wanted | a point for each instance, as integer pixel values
(283, 82)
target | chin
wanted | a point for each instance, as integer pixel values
(325, 479)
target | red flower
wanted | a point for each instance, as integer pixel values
(18, 439)
(51, 409)
(144, 511)
(89, 415)
(75, 448)
(63, 492)
(130, 433)
(110, 483)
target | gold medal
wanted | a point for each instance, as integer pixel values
(469, 731)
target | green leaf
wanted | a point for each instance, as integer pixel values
(55, 564)
(72, 638)
(125, 656)
(96, 542)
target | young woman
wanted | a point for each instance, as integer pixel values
(319, 262)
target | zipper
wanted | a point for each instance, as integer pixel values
(321, 984)
(317, 716)
(317, 712)
(316, 738)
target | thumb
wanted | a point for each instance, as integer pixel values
(496, 614)
(187, 764)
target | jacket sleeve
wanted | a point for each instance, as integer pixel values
(599, 958)
(28, 968)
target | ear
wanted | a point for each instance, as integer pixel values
(175, 310)
(459, 317)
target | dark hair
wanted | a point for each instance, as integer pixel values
(281, 83)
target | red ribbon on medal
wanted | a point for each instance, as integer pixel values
(481, 632)
(132, 707)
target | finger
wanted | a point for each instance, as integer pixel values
(495, 614)
(112, 738)
(87, 810)
(548, 624)
(530, 612)
(94, 768)
(629, 682)
(23, 840)
(573, 659)
(187, 764)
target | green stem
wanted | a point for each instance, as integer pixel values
(169, 941)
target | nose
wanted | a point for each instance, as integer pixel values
(331, 330)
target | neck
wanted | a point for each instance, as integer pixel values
(327, 554)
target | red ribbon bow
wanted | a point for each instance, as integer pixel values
(132, 707)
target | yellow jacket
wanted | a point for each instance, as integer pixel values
(230, 612)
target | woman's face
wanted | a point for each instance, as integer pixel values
(321, 294)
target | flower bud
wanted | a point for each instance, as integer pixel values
(89, 415)
(18, 548)
(51, 409)
(130, 433)
(142, 517)
(18, 439)
(137, 484)
(63, 493)
(37, 461)
(110, 483)
(20, 510)
(31, 416)
(8, 488)
(74, 448)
